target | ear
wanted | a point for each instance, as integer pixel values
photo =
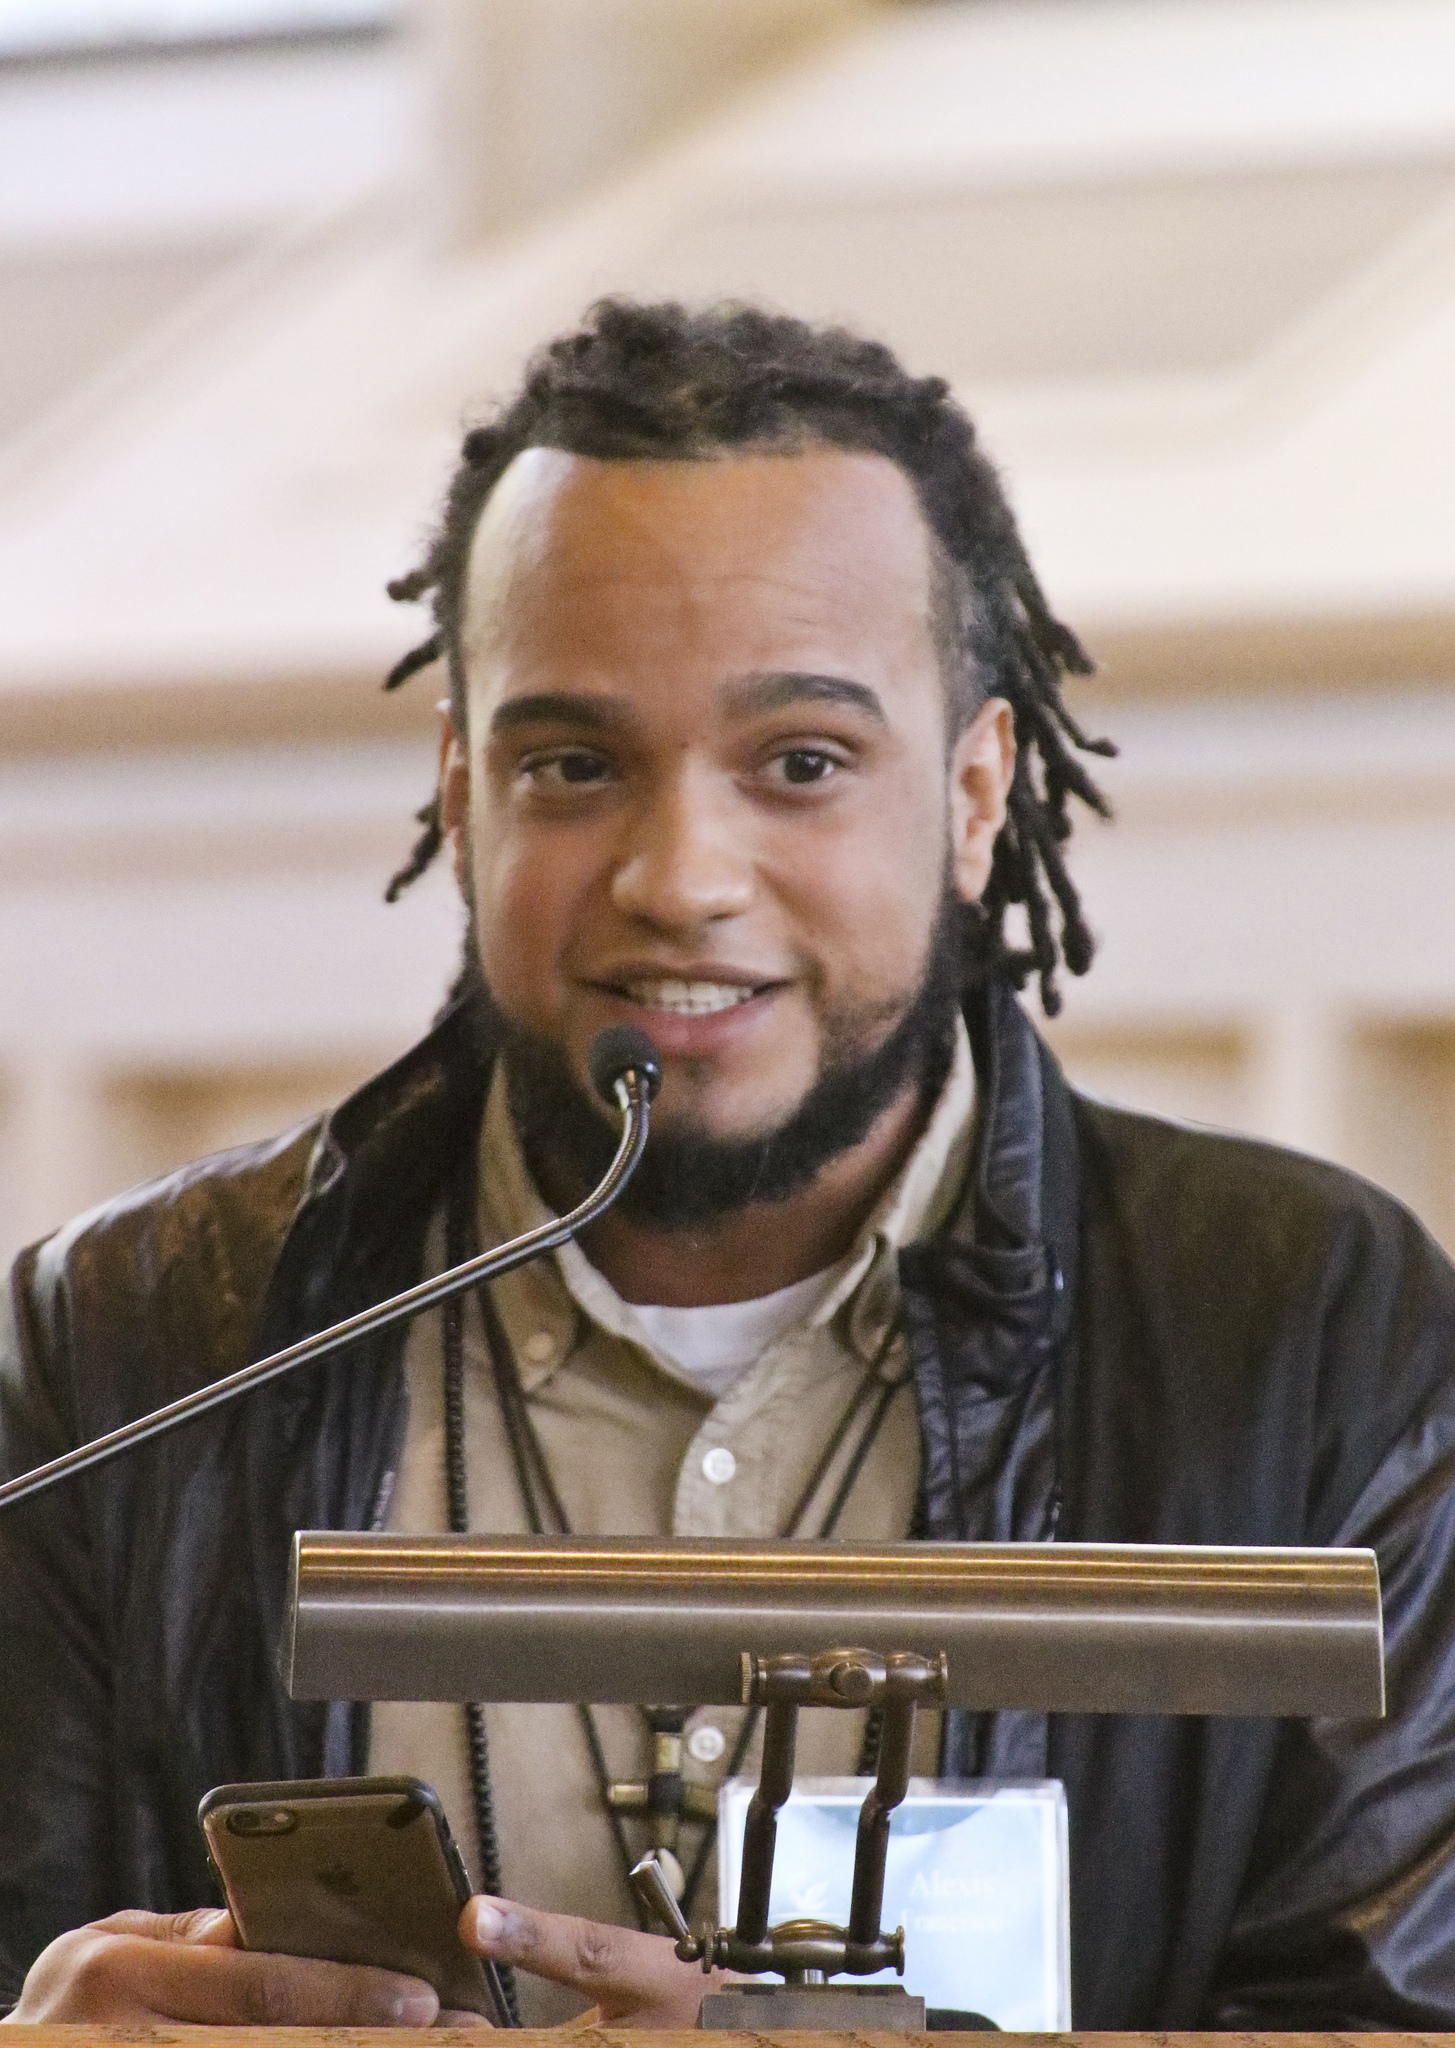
(982, 763)
(454, 794)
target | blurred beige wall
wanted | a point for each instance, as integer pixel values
(1191, 263)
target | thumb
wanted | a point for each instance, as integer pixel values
(634, 1978)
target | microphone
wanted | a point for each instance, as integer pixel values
(614, 1055)
(625, 1071)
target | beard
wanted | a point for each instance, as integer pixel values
(689, 1178)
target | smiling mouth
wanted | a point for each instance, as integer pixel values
(688, 998)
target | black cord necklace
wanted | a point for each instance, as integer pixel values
(867, 1406)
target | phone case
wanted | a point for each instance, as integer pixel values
(349, 1870)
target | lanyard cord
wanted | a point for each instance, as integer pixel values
(477, 1747)
(536, 1484)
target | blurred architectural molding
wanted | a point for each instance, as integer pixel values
(539, 101)
(1210, 350)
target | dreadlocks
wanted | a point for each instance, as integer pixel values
(655, 382)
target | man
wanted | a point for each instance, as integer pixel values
(755, 737)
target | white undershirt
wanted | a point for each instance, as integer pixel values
(714, 1346)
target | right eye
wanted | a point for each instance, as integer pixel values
(565, 768)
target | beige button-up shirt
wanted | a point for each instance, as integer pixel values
(635, 1448)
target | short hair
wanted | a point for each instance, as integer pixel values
(655, 382)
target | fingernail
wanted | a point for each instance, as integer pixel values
(415, 2008)
(489, 1921)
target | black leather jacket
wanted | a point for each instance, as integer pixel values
(1132, 1331)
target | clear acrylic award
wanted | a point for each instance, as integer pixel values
(977, 1873)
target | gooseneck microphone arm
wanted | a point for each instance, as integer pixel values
(626, 1070)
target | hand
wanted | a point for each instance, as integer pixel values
(135, 1968)
(634, 1980)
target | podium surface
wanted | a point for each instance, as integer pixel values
(167, 2035)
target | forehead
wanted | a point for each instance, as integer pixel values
(575, 552)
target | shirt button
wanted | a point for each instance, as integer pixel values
(539, 1346)
(706, 1744)
(719, 1465)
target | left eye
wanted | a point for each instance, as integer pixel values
(806, 764)
(579, 768)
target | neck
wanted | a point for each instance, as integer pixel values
(762, 1247)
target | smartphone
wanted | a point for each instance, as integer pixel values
(350, 1870)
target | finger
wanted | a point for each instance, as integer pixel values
(217, 1986)
(209, 1924)
(449, 2017)
(622, 1969)
(298, 1991)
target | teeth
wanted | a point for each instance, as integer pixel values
(689, 998)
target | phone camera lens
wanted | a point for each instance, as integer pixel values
(262, 1820)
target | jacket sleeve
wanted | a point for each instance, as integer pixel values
(1266, 1354)
(55, 1676)
(1346, 1918)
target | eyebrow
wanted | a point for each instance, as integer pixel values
(561, 707)
(749, 696)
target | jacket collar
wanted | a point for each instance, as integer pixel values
(1021, 1196)
(987, 1306)
(379, 1168)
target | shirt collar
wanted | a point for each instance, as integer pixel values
(551, 1291)
(913, 1206)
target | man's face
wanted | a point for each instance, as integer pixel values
(707, 789)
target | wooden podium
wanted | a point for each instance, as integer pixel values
(168, 2036)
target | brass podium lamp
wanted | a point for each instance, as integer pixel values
(1054, 1628)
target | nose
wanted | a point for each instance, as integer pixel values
(686, 863)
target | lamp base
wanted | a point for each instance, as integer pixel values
(838, 2008)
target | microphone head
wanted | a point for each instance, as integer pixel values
(620, 1051)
